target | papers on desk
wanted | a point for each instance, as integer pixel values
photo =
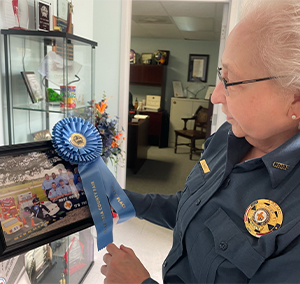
(149, 108)
(152, 103)
(141, 116)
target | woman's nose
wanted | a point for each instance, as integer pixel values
(218, 96)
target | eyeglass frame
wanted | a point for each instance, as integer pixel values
(225, 84)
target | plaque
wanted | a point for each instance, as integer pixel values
(63, 9)
(43, 15)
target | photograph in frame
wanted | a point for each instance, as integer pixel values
(198, 67)
(41, 198)
(33, 86)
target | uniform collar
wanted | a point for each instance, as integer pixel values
(280, 162)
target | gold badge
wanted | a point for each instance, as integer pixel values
(262, 217)
(204, 166)
(77, 140)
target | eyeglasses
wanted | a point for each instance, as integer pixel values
(225, 84)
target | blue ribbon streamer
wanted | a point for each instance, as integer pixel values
(79, 142)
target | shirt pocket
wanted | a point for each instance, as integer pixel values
(194, 182)
(231, 244)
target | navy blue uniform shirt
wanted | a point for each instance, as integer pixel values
(210, 241)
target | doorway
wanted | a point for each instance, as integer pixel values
(155, 23)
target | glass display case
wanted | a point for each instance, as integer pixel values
(49, 76)
(64, 261)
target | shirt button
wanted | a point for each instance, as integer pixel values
(180, 235)
(223, 245)
(165, 264)
(198, 202)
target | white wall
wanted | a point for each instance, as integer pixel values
(177, 69)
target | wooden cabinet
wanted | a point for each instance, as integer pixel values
(137, 145)
(158, 128)
(151, 76)
(183, 107)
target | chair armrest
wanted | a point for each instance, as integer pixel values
(186, 120)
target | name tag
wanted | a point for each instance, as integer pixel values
(204, 166)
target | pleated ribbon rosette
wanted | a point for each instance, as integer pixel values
(78, 141)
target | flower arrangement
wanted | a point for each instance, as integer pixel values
(108, 129)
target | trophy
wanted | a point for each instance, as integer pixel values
(21, 13)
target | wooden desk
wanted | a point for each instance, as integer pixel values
(158, 128)
(137, 144)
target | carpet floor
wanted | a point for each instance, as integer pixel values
(163, 172)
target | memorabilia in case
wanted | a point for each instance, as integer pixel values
(42, 135)
(21, 13)
(63, 9)
(74, 256)
(33, 86)
(40, 194)
(38, 262)
(43, 15)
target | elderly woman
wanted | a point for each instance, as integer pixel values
(237, 220)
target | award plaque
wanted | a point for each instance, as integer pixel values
(43, 15)
(63, 9)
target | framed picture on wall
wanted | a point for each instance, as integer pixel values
(41, 198)
(198, 67)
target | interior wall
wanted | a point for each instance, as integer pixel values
(107, 32)
(177, 69)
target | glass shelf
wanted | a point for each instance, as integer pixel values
(52, 107)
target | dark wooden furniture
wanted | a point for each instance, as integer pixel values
(137, 144)
(158, 128)
(149, 75)
(201, 119)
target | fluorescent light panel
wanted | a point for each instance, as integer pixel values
(192, 24)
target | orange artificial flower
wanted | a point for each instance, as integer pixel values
(114, 144)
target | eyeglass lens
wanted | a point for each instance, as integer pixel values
(222, 80)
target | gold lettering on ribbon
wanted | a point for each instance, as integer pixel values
(99, 206)
(118, 198)
(280, 166)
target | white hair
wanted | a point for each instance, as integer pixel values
(277, 32)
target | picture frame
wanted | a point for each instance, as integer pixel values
(198, 67)
(43, 15)
(33, 86)
(23, 228)
(177, 89)
(209, 92)
(146, 58)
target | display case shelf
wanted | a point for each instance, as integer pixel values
(25, 51)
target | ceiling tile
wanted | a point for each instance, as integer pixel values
(148, 8)
(151, 19)
(163, 31)
(191, 9)
(200, 36)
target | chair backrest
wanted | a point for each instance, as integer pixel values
(201, 118)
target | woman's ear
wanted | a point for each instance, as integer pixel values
(295, 106)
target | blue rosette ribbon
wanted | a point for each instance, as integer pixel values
(78, 141)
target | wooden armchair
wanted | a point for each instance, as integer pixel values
(198, 132)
